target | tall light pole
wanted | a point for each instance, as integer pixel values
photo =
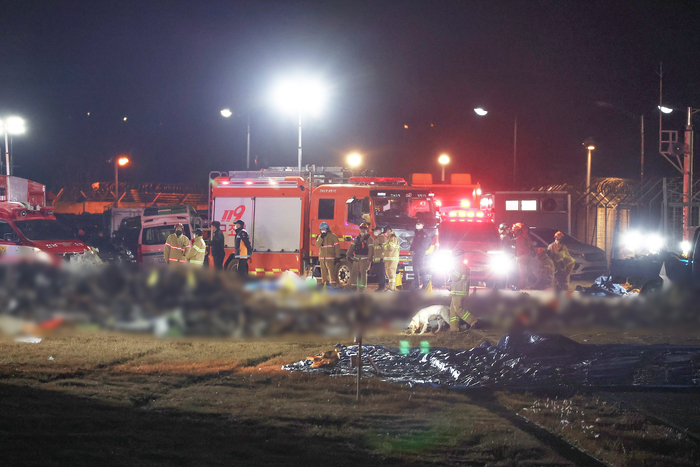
(11, 126)
(118, 161)
(481, 113)
(226, 113)
(301, 96)
(590, 148)
(444, 159)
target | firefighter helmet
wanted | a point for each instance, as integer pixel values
(517, 227)
(179, 226)
(324, 225)
(364, 226)
(503, 227)
(559, 235)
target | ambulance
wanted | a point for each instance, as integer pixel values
(283, 209)
(29, 230)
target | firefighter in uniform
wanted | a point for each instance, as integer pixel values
(328, 253)
(243, 249)
(391, 256)
(378, 258)
(360, 253)
(176, 246)
(523, 254)
(419, 247)
(563, 261)
(545, 277)
(196, 253)
(459, 291)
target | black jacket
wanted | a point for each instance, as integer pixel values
(216, 245)
(420, 243)
(242, 236)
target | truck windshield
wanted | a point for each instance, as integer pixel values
(44, 229)
(403, 211)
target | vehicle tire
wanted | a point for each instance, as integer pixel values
(651, 287)
(343, 273)
(230, 264)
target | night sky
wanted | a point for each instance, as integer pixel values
(568, 70)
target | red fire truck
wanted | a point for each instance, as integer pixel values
(28, 228)
(282, 210)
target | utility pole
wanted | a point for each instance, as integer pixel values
(688, 175)
(642, 151)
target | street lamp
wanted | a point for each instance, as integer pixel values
(354, 160)
(300, 95)
(226, 113)
(120, 161)
(482, 112)
(590, 148)
(12, 126)
(444, 159)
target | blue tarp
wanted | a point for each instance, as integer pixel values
(526, 361)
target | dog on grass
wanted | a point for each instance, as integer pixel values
(420, 324)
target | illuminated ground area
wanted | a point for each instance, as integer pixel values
(136, 400)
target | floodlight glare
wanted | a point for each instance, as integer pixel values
(226, 113)
(304, 95)
(444, 159)
(354, 159)
(123, 161)
(664, 109)
(15, 125)
(481, 112)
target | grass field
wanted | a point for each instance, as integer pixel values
(110, 399)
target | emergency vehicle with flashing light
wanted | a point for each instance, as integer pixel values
(28, 228)
(282, 212)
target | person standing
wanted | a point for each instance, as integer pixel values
(378, 259)
(523, 254)
(360, 253)
(563, 261)
(459, 291)
(391, 256)
(216, 246)
(199, 248)
(176, 246)
(328, 253)
(418, 249)
(545, 276)
(243, 249)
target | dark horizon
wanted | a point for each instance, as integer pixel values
(568, 71)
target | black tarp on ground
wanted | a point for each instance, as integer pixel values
(527, 361)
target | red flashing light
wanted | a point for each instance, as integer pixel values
(248, 182)
(438, 203)
(225, 183)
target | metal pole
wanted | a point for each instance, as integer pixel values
(443, 172)
(7, 155)
(588, 174)
(299, 141)
(247, 154)
(116, 182)
(515, 147)
(359, 366)
(642, 150)
(686, 176)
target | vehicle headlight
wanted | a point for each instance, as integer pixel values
(655, 243)
(500, 263)
(633, 240)
(685, 247)
(442, 261)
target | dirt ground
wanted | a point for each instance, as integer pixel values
(109, 399)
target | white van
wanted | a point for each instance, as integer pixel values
(157, 223)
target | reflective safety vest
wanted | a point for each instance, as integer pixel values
(362, 247)
(460, 281)
(379, 243)
(197, 252)
(391, 248)
(329, 246)
(176, 248)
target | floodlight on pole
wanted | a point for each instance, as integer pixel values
(303, 96)
(354, 160)
(664, 109)
(444, 159)
(11, 126)
(480, 112)
(118, 161)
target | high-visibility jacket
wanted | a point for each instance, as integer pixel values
(197, 252)
(391, 248)
(523, 245)
(242, 245)
(379, 243)
(460, 280)
(176, 248)
(329, 246)
(563, 260)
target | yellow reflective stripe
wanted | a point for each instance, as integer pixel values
(196, 261)
(454, 318)
(466, 315)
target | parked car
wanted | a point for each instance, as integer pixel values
(591, 261)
